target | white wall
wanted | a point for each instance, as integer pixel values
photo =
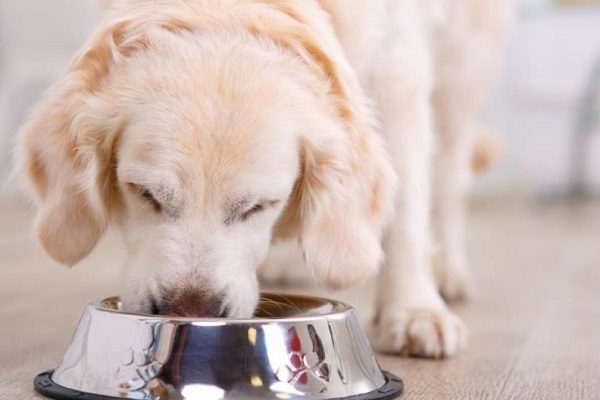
(548, 61)
(37, 38)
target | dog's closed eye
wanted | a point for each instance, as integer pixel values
(147, 195)
(257, 208)
(238, 213)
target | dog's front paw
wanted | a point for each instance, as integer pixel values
(418, 332)
(454, 282)
(284, 266)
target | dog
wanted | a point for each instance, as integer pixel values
(208, 129)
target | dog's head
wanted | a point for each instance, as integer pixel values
(198, 140)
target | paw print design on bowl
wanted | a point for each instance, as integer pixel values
(137, 368)
(307, 372)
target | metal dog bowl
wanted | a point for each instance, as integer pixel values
(295, 348)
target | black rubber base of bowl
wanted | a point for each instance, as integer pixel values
(44, 384)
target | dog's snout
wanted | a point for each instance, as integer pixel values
(190, 303)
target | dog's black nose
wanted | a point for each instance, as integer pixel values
(190, 302)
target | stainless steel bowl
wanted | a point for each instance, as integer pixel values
(295, 348)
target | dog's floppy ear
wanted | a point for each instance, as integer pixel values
(345, 198)
(65, 152)
(344, 195)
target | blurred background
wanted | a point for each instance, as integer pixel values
(536, 106)
(536, 319)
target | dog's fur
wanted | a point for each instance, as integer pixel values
(203, 128)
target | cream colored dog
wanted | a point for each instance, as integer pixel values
(203, 128)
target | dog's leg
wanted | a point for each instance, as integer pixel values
(410, 318)
(463, 149)
(452, 177)
(467, 51)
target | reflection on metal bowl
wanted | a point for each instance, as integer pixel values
(297, 347)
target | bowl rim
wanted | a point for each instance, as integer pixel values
(340, 310)
(45, 385)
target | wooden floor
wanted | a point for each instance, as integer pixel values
(535, 325)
